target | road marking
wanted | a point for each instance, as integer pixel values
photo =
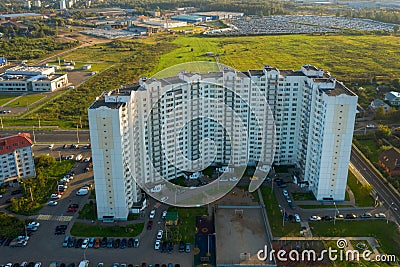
(45, 217)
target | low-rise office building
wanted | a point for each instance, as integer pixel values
(32, 79)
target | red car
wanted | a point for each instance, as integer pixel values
(73, 208)
(149, 225)
(57, 192)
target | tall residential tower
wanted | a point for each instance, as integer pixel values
(165, 128)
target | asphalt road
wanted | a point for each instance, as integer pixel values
(56, 136)
(385, 195)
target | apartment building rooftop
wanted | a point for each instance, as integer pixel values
(114, 99)
(10, 143)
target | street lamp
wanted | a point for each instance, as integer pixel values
(334, 217)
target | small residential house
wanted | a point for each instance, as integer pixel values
(393, 98)
(390, 161)
(172, 218)
(379, 103)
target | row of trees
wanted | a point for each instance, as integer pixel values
(37, 190)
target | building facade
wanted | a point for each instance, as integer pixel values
(168, 120)
(32, 79)
(16, 158)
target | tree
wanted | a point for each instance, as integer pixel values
(383, 131)
(44, 161)
(379, 113)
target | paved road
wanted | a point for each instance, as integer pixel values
(384, 193)
(56, 136)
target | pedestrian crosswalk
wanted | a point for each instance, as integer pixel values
(46, 217)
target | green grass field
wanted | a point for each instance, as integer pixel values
(26, 100)
(361, 193)
(5, 98)
(388, 235)
(346, 57)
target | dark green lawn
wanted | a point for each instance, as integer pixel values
(362, 194)
(387, 234)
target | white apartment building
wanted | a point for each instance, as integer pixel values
(16, 158)
(32, 78)
(161, 129)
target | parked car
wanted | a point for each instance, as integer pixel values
(79, 157)
(297, 217)
(187, 248)
(85, 243)
(123, 243)
(327, 218)
(160, 234)
(52, 203)
(380, 215)
(65, 243)
(91, 242)
(110, 243)
(181, 246)
(136, 243)
(366, 215)
(339, 217)
(82, 192)
(104, 242)
(152, 214)
(149, 225)
(157, 245)
(351, 216)
(164, 215)
(97, 243)
(315, 218)
(285, 192)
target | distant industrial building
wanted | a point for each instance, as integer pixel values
(187, 18)
(16, 158)
(163, 23)
(216, 15)
(31, 78)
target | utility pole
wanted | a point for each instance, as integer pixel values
(77, 133)
(34, 137)
(39, 122)
(1, 120)
(80, 121)
(59, 155)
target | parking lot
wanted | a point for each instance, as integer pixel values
(45, 246)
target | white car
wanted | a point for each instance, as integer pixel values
(82, 192)
(38, 264)
(62, 187)
(315, 218)
(85, 243)
(233, 179)
(79, 157)
(55, 196)
(297, 217)
(86, 159)
(380, 215)
(51, 146)
(285, 192)
(70, 157)
(160, 234)
(164, 214)
(52, 203)
(152, 214)
(34, 224)
(157, 245)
